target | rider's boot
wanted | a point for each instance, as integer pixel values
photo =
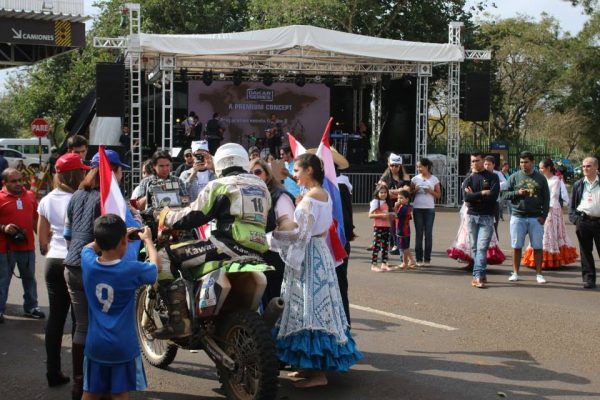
(179, 325)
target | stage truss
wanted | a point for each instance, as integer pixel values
(314, 64)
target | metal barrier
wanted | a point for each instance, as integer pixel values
(363, 186)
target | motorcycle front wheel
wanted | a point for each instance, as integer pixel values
(245, 338)
(158, 353)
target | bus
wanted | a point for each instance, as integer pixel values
(29, 147)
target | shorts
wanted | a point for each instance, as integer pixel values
(113, 378)
(403, 242)
(520, 227)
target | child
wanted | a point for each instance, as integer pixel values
(379, 211)
(112, 363)
(403, 214)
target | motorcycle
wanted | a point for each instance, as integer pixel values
(223, 299)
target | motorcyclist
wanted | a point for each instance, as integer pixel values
(239, 202)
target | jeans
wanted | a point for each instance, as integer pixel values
(25, 261)
(74, 279)
(423, 219)
(60, 302)
(481, 228)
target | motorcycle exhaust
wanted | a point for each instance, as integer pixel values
(273, 311)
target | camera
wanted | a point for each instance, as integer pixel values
(134, 235)
(199, 157)
(19, 236)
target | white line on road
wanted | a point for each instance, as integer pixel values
(403, 318)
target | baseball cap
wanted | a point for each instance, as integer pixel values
(113, 158)
(199, 145)
(395, 159)
(253, 149)
(187, 151)
(70, 162)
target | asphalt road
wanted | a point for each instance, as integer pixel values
(424, 334)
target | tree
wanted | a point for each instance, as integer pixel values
(528, 60)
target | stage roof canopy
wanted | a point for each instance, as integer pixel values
(296, 47)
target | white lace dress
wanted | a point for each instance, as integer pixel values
(313, 330)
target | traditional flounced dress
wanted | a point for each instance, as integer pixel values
(558, 249)
(461, 247)
(313, 330)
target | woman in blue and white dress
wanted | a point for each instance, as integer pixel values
(312, 334)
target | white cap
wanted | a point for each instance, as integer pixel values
(395, 159)
(199, 145)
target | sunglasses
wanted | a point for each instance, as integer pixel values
(258, 171)
(188, 155)
(394, 166)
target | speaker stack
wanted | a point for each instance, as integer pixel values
(110, 86)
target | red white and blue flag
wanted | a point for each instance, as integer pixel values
(111, 198)
(296, 146)
(336, 237)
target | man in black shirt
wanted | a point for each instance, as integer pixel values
(481, 191)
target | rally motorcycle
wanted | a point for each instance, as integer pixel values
(222, 303)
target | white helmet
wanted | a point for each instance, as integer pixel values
(230, 155)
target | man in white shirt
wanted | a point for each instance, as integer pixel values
(584, 212)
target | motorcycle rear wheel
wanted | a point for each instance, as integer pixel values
(245, 338)
(158, 353)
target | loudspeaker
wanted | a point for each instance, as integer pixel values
(110, 84)
(476, 99)
(341, 106)
(399, 121)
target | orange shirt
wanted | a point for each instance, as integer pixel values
(22, 216)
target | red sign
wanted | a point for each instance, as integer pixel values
(40, 127)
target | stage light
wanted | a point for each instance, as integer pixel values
(300, 80)
(318, 78)
(329, 81)
(254, 77)
(356, 82)
(222, 75)
(344, 79)
(281, 77)
(267, 79)
(373, 79)
(183, 72)
(157, 85)
(386, 81)
(237, 77)
(207, 77)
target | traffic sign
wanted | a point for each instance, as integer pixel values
(40, 127)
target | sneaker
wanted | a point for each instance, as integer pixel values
(384, 267)
(540, 279)
(35, 313)
(427, 264)
(513, 277)
(375, 268)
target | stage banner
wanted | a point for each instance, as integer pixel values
(245, 109)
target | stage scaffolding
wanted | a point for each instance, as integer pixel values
(161, 68)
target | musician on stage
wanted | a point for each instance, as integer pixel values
(274, 133)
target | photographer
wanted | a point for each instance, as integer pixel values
(197, 177)
(162, 181)
(18, 222)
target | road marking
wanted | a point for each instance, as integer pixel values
(404, 318)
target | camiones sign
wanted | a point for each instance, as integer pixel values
(50, 33)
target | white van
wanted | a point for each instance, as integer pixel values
(29, 147)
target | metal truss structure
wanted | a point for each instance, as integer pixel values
(160, 70)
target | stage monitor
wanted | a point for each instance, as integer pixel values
(245, 109)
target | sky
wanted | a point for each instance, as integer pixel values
(571, 18)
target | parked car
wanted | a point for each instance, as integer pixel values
(13, 157)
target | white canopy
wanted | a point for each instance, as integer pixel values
(298, 41)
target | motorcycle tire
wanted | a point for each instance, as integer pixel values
(246, 339)
(158, 353)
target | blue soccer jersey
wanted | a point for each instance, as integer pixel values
(110, 290)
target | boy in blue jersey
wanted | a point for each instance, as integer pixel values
(112, 363)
